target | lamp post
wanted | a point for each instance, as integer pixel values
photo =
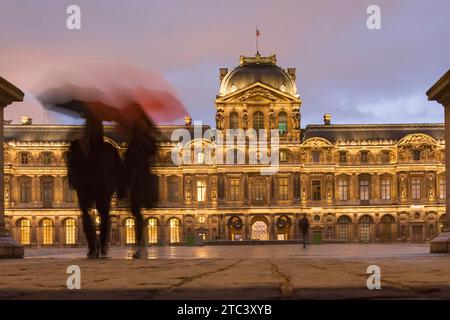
(8, 247)
(440, 92)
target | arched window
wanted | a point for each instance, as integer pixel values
(259, 231)
(25, 231)
(130, 236)
(258, 120)
(234, 120)
(259, 189)
(282, 122)
(386, 227)
(365, 227)
(343, 223)
(70, 230)
(174, 230)
(47, 231)
(152, 230)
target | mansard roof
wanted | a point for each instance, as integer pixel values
(359, 132)
(49, 133)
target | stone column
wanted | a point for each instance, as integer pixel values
(8, 247)
(440, 92)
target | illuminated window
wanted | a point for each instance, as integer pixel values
(25, 189)
(47, 232)
(385, 189)
(152, 230)
(174, 230)
(364, 189)
(343, 223)
(234, 120)
(259, 231)
(25, 232)
(69, 225)
(258, 120)
(416, 185)
(316, 190)
(343, 189)
(201, 191)
(442, 188)
(130, 236)
(365, 227)
(234, 189)
(282, 122)
(283, 189)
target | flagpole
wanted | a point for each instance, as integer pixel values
(257, 47)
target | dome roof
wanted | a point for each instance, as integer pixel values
(258, 69)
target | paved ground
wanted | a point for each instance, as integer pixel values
(232, 272)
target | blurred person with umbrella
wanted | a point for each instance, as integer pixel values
(136, 176)
(93, 164)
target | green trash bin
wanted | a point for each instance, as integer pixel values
(190, 240)
(317, 237)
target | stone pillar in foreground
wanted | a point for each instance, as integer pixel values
(440, 92)
(8, 247)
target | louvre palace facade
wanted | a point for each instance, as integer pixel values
(355, 183)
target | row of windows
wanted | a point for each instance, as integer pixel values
(259, 189)
(46, 157)
(258, 121)
(47, 191)
(70, 231)
(363, 156)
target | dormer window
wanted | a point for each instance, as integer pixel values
(24, 158)
(416, 155)
(233, 88)
(315, 156)
(364, 156)
(283, 88)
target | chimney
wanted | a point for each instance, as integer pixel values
(223, 73)
(291, 73)
(187, 120)
(327, 119)
(25, 120)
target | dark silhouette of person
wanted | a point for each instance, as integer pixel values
(304, 227)
(93, 171)
(136, 178)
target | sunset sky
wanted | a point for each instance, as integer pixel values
(356, 74)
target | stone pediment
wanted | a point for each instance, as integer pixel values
(415, 141)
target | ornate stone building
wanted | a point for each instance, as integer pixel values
(356, 183)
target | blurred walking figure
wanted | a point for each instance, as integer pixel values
(136, 178)
(304, 227)
(93, 172)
